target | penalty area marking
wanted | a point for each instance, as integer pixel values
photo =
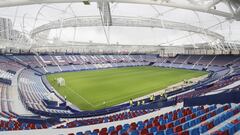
(131, 95)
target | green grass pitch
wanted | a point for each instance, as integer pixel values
(97, 89)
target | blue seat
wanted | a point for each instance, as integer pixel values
(170, 115)
(152, 130)
(194, 110)
(94, 133)
(169, 131)
(203, 129)
(219, 110)
(197, 121)
(140, 127)
(126, 126)
(177, 122)
(186, 126)
(88, 132)
(192, 123)
(231, 129)
(105, 120)
(212, 107)
(169, 120)
(151, 120)
(110, 129)
(121, 131)
(223, 129)
(209, 116)
(162, 122)
(195, 131)
(180, 114)
(159, 133)
(79, 133)
(38, 126)
(139, 123)
(188, 118)
(216, 121)
(134, 132)
(199, 113)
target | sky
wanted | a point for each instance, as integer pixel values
(26, 18)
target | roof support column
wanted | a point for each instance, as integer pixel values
(105, 11)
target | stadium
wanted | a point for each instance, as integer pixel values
(120, 67)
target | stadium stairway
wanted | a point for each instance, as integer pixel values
(20, 62)
(17, 104)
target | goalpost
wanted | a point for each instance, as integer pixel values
(60, 81)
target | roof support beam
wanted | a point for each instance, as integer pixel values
(104, 9)
(127, 22)
(234, 6)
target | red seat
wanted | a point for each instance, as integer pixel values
(103, 130)
(149, 126)
(235, 121)
(213, 114)
(96, 130)
(182, 120)
(169, 125)
(225, 107)
(210, 125)
(220, 133)
(175, 117)
(144, 131)
(161, 127)
(156, 123)
(193, 115)
(203, 118)
(119, 127)
(183, 133)
(103, 133)
(114, 133)
(206, 110)
(125, 133)
(177, 129)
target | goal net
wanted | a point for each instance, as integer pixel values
(60, 81)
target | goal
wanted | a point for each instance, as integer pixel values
(60, 81)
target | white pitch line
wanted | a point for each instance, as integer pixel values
(80, 97)
(131, 95)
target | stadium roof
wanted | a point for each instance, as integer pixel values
(210, 16)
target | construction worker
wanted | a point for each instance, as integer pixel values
(143, 102)
(152, 98)
(131, 102)
(138, 103)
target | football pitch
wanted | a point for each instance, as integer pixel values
(97, 89)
